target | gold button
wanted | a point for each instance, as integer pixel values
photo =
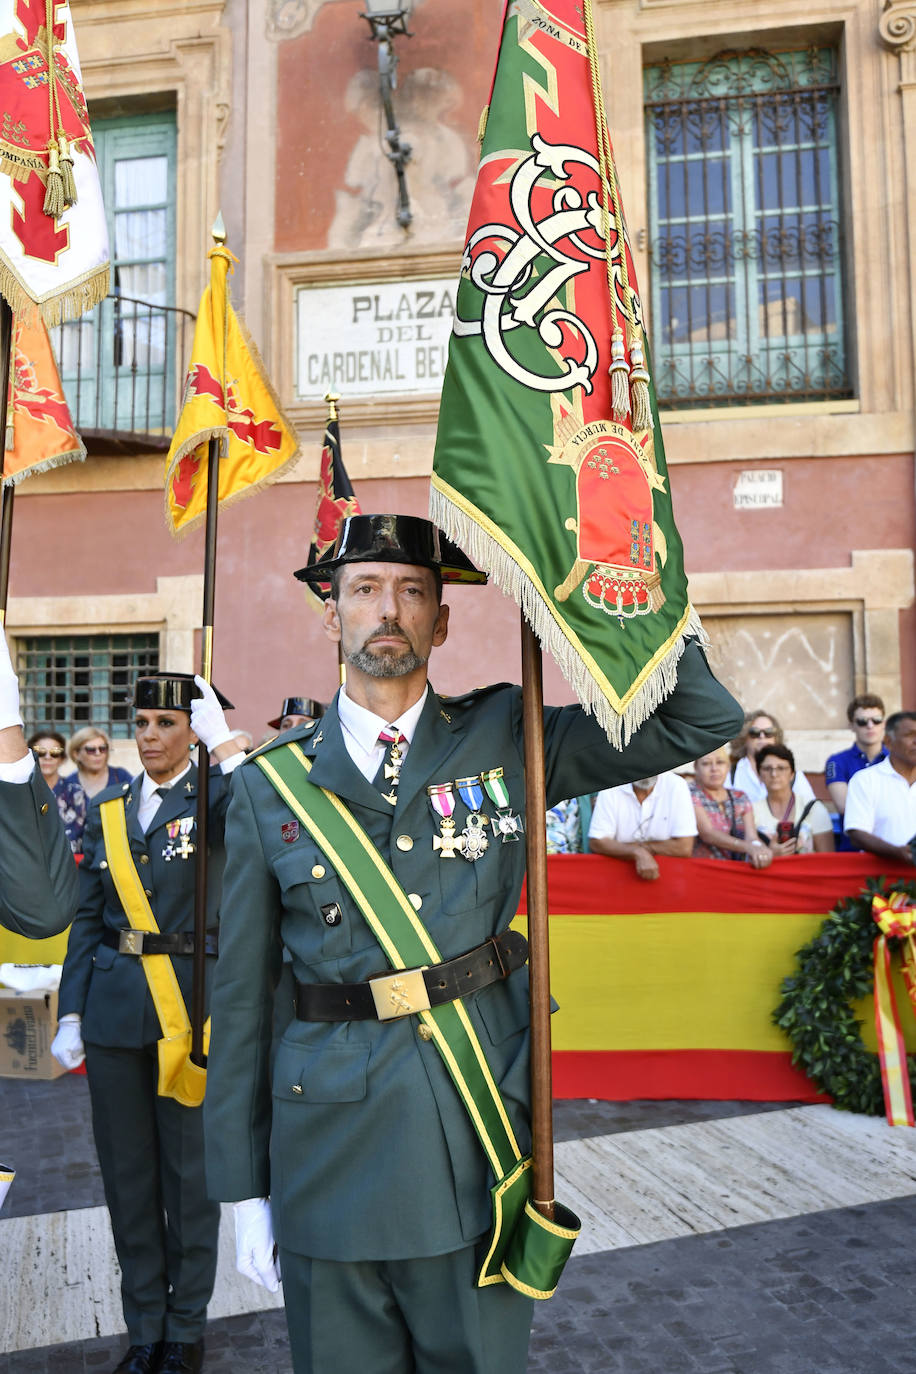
(296, 1088)
(44, 809)
(103, 864)
(144, 858)
(148, 892)
(404, 842)
(424, 1032)
(415, 900)
(318, 871)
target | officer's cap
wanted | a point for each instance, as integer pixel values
(171, 692)
(299, 706)
(393, 539)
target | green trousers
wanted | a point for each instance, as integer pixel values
(151, 1153)
(419, 1316)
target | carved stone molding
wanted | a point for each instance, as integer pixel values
(897, 25)
(290, 18)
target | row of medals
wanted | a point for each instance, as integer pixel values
(473, 840)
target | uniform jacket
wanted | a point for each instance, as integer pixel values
(354, 1129)
(108, 989)
(37, 873)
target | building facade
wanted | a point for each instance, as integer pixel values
(766, 158)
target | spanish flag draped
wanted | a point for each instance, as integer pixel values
(227, 396)
(39, 431)
(549, 467)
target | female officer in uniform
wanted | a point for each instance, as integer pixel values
(116, 1007)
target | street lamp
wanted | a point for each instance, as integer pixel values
(386, 20)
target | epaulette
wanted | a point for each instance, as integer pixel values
(476, 693)
(287, 736)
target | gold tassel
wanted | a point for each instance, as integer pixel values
(66, 169)
(54, 195)
(639, 385)
(482, 123)
(620, 394)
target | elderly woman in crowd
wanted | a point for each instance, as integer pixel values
(788, 825)
(725, 818)
(760, 730)
(50, 749)
(90, 750)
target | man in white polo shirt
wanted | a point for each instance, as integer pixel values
(642, 819)
(881, 801)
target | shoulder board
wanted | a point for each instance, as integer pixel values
(298, 732)
(117, 789)
(476, 694)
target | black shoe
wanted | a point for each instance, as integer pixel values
(140, 1359)
(178, 1357)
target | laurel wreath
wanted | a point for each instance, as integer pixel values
(835, 969)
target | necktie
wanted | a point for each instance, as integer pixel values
(392, 736)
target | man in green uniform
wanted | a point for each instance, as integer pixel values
(37, 872)
(126, 989)
(378, 1184)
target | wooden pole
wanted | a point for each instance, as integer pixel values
(199, 972)
(8, 490)
(538, 936)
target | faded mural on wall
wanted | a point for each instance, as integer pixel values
(439, 178)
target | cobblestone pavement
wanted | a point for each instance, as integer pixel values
(825, 1293)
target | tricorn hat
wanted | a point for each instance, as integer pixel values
(299, 706)
(393, 539)
(170, 692)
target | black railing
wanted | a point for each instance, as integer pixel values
(122, 367)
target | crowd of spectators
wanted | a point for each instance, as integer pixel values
(750, 803)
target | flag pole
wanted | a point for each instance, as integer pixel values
(538, 936)
(8, 489)
(199, 973)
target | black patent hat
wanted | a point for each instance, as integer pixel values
(393, 539)
(299, 706)
(171, 692)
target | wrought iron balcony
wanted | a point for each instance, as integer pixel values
(122, 367)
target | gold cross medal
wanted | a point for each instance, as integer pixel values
(475, 831)
(507, 824)
(446, 844)
(180, 831)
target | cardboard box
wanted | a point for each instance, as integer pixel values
(28, 1023)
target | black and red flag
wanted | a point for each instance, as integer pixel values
(334, 502)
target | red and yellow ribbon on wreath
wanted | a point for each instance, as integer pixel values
(895, 916)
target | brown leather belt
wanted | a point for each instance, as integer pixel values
(155, 942)
(490, 962)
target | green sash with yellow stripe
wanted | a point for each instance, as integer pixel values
(524, 1249)
(179, 1076)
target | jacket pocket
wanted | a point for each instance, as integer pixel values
(333, 1073)
(310, 887)
(105, 957)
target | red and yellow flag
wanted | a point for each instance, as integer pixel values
(335, 501)
(227, 396)
(39, 430)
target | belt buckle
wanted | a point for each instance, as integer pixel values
(399, 994)
(130, 942)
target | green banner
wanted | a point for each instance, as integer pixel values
(549, 467)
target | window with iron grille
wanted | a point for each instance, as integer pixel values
(69, 681)
(746, 232)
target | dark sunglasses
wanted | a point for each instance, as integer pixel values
(761, 734)
(95, 748)
(49, 753)
(867, 720)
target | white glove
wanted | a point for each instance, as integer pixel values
(9, 688)
(255, 1251)
(207, 719)
(67, 1046)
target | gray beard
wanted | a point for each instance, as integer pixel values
(385, 665)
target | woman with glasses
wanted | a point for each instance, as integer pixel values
(760, 730)
(783, 821)
(725, 818)
(50, 749)
(90, 750)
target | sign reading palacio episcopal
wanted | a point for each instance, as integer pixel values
(373, 338)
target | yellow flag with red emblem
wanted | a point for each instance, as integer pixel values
(39, 430)
(227, 396)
